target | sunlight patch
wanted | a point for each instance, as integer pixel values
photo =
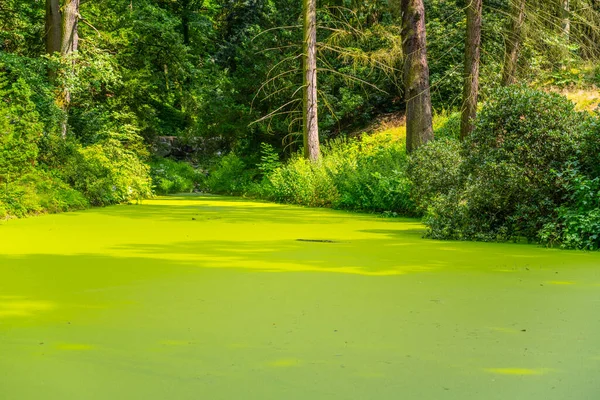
(560, 283)
(23, 308)
(518, 371)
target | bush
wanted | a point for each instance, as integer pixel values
(508, 185)
(169, 176)
(577, 225)
(300, 181)
(230, 176)
(38, 192)
(19, 129)
(434, 170)
(108, 173)
(366, 175)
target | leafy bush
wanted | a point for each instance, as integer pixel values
(434, 170)
(301, 182)
(108, 173)
(169, 176)
(577, 225)
(230, 176)
(38, 192)
(508, 185)
(19, 129)
(364, 175)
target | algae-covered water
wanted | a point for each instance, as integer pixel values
(216, 298)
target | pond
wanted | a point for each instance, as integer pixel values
(200, 297)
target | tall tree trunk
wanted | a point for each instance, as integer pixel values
(513, 42)
(419, 129)
(69, 44)
(53, 26)
(309, 67)
(472, 56)
(70, 37)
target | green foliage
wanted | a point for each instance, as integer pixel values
(37, 192)
(230, 176)
(434, 169)
(269, 159)
(366, 175)
(300, 181)
(19, 129)
(447, 125)
(108, 173)
(577, 225)
(170, 176)
(508, 185)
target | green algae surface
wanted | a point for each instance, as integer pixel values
(220, 298)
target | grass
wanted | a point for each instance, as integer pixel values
(210, 297)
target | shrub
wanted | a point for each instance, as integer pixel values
(230, 176)
(367, 174)
(38, 192)
(169, 176)
(371, 174)
(108, 173)
(508, 184)
(300, 181)
(577, 225)
(19, 129)
(434, 170)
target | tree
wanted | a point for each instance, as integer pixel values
(53, 31)
(310, 126)
(513, 41)
(472, 58)
(62, 36)
(70, 22)
(419, 128)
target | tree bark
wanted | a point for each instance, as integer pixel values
(70, 37)
(53, 26)
(513, 42)
(419, 129)
(472, 57)
(309, 67)
(69, 45)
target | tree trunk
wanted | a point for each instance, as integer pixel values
(566, 18)
(309, 67)
(472, 56)
(70, 37)
(513, 42)
(53, 26)
(419, 129)
(69, 44)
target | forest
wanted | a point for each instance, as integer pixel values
(480, 118)
(299, 200)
